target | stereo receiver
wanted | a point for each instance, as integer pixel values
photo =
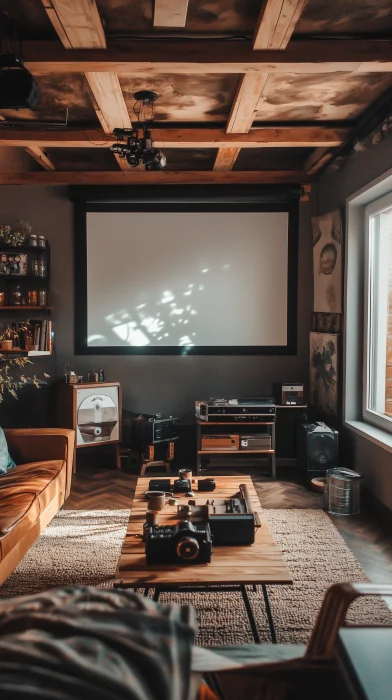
(252, 410)
(220, 442)
(255, 442)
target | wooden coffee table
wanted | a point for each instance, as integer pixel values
(258, 565)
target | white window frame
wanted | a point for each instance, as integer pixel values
(375, 318)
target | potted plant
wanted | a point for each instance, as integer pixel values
(13, 378)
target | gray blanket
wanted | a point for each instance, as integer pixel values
(90, 643)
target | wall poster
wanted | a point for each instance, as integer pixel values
(327, 262)
(323, 394)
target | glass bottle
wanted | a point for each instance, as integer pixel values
(42, 268)
(35, 267)
(32, 297)
(42, 297)
(16, 296)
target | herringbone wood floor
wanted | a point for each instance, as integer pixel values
(100, 487)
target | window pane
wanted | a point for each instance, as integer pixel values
(380, 314)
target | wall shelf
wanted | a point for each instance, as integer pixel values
(25, 353)
(24, 307)
(236, 452)
(23, 248)
(22, 278)
(237, 423)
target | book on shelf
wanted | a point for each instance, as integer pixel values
(36, 335)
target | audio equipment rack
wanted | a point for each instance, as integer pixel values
(242, 428)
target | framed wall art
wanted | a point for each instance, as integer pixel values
(323, 394)
(327, 262)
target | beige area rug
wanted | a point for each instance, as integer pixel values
(82, 548)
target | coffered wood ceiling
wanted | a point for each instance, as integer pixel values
(249, 90)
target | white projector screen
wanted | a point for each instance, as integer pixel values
(187, 279)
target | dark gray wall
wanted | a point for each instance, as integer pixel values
(333, 189)
(152, 384)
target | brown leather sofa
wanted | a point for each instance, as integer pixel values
(32, 492)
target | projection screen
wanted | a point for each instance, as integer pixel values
(187, 281)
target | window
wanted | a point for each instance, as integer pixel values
(377, 395)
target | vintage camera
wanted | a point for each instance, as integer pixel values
(184, 543)
(206, 484)
(182, 486)
(159, 485)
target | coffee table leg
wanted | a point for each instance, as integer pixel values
(269, 614)
(156, 594)
(146, 591)
(251, 618)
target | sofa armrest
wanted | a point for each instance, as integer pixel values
(42, 444)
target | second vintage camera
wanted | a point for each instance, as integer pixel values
(184, 543)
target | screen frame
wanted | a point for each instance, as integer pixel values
(82, 207)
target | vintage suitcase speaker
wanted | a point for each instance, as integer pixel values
(317, 448)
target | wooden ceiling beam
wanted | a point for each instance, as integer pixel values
(109, 101)
(317, 159)
(283, 137)
(161, 177)
(38, 154)
(170, 13)
(79, 26)
(77, 23)
(225, 159)
(244, 106)
(149, 58)
(276, 23)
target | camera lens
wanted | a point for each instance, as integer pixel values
(187, 548)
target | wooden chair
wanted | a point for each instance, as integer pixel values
(282, 671)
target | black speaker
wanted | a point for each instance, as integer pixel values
(287, 420)
(317, 448)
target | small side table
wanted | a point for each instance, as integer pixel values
(93, 410)
(148, 458)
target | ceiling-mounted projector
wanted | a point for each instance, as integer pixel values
(139, 148)
(18, 89)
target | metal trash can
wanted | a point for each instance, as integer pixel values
(342, 492)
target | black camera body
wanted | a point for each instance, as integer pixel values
(182, 486)
(184, 543)
(206, 484)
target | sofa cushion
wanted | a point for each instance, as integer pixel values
(14, 506)
(45, 480)
(33, 476)
(20, 518)
(25, 492)
(6, 462)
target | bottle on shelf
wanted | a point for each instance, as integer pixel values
(16, 296)
(35, 267)
(42, 297)
(42, 268)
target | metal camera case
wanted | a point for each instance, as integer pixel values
(184, 543)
